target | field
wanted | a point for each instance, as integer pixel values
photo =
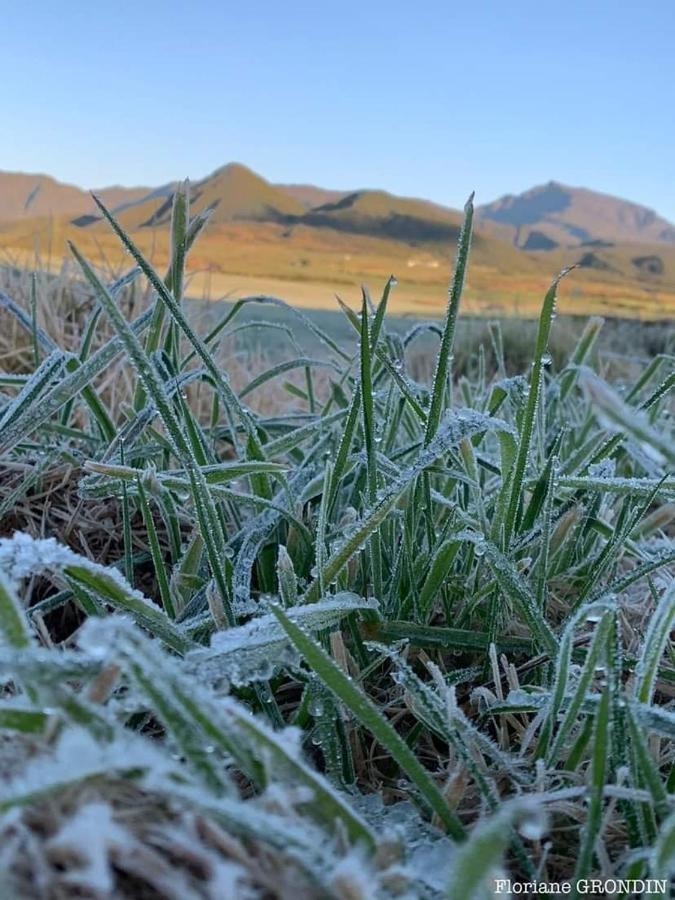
(344, 605)
(308, 266)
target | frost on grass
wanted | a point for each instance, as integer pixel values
(40, 381)
(422, 857)
(252, 652)
(89, 841)
(23, 555)
(56, 770)
(253, 537)
(617, 416)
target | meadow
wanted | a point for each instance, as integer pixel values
(331, 605)
(308, 266)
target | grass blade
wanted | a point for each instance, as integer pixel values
(371, 718)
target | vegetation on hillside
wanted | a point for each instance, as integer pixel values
(389, 642)
(625, 253)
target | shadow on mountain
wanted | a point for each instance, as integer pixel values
(401, 228)
(378, 214)
(649, 265)
(537, 240)
(591, 260)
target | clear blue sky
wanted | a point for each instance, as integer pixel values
(429, 99)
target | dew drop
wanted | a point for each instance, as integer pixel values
(533, 826)
(316, 707)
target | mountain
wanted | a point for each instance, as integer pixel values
(118, 197)
(239, 195)
(301, 242)
(27, 196)
(234, 192)
(274, 215)
(310, 195)
(548, 217)
(555, 215)
(381, 214)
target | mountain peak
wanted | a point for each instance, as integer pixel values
(233, 191)
(234, 170)
(553, 214)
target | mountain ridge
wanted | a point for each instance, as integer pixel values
(265, 230)
(550, 216)
(261, 240)
(555, 215)
(26, 195)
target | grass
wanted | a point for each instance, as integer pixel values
(399, 626)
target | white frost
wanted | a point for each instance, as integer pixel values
(89, 836)
(23, 555)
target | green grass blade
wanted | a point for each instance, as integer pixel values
(443, 361)
(155, 551)
(206, 515)
(533, 397)
(367, 407)
(363, 708)
(599, 764)
(14, 630)
(229, 398)
(651, 654)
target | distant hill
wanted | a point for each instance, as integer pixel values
(310, 195)
(27, 196)
(554, 215)
(301, 241)
(548, 217)
(239, 195)
(235, 193)
(381, 214)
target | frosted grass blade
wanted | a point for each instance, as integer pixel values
(371, 718)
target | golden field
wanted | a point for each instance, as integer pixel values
(308, 266)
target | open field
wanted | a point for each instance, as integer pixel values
(345, 606)
(308, 266)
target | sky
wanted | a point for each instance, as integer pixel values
(427, 99)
